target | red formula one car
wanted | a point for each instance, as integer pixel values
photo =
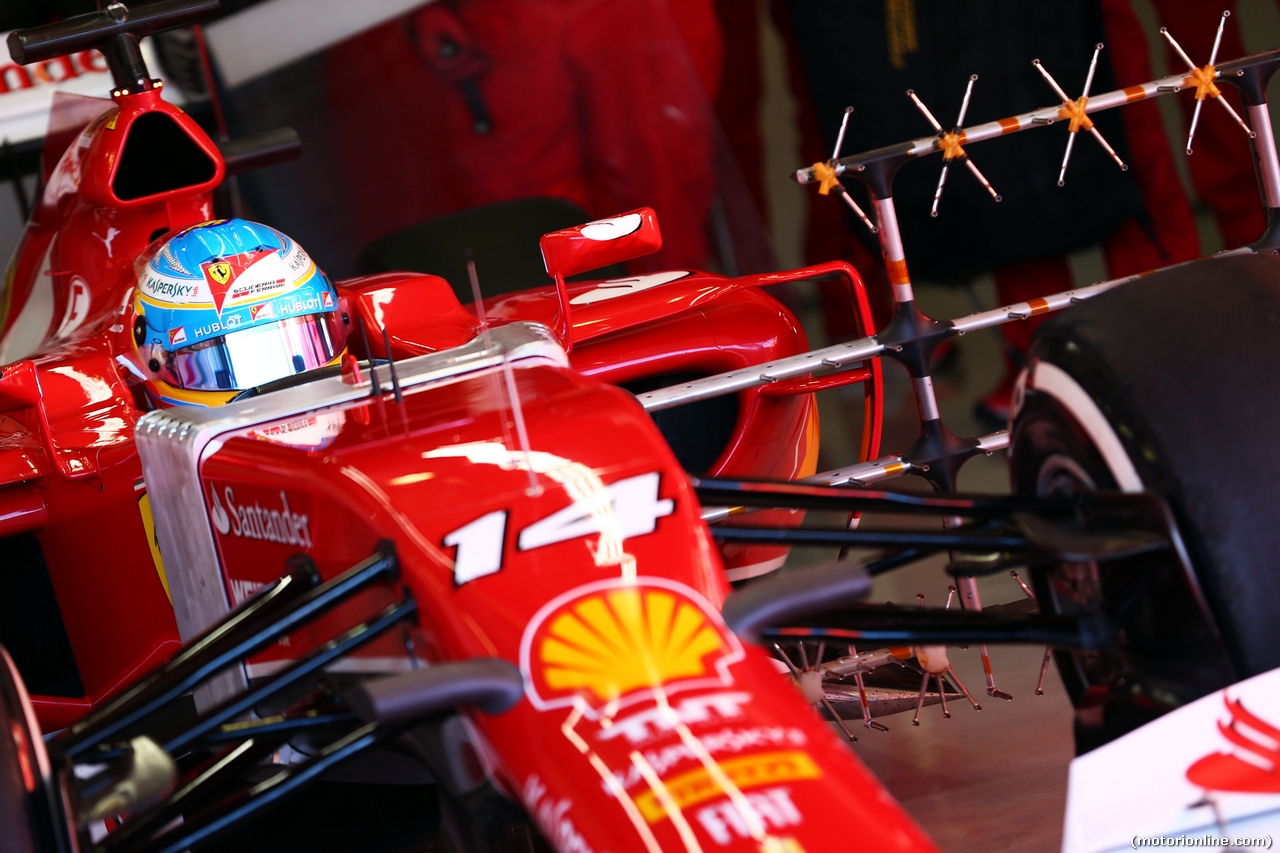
(505, 504)
(135, 168)
(463, 545)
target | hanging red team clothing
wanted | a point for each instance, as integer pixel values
(603, 102)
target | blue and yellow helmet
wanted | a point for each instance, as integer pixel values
(229, 305)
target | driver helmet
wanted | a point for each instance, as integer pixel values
(228, 305)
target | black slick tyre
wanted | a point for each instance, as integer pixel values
(1172, 384)
(26, 812)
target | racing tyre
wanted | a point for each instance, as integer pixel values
(26, 813)
(1167, 384)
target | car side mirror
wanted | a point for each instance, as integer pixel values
(601, 243)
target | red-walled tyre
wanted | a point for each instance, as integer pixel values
(27, 812)
(1169, 384)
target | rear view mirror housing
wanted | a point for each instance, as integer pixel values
(583, 248)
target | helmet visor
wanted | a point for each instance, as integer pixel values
(257, 355)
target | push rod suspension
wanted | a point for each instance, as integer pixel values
(310, 664)
(801, 496)
(230, 641)
(892, 626)
(939, 540)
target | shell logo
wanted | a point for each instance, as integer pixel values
(617, 642)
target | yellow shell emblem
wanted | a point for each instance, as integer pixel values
(615, 642)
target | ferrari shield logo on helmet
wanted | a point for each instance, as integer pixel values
(220, 272)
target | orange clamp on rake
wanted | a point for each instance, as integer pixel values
(949, 145)
(827, 177)
(1202, 79)
(1075, 112)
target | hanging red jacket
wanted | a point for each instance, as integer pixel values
(603, 102)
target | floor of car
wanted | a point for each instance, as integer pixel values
(337, 817)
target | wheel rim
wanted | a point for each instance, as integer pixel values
(1074, 588)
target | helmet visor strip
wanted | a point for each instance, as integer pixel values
(254, 356)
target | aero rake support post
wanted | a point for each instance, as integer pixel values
(1250, 76)
(912, 339)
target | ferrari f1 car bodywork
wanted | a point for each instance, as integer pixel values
(481, 551)
(122, 173)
